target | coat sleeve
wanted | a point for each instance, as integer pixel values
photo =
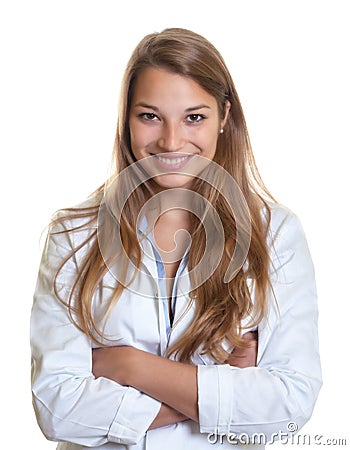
(70, 404)
(278, 395)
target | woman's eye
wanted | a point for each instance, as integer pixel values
(148, 116)
(194, 118)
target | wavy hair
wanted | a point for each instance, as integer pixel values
(219, 308)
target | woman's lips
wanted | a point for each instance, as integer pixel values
(172, 162)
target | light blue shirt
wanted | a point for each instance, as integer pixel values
(162, 276)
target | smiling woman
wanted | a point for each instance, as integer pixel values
(138, 344)
(173, 118)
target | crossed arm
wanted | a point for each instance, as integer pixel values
(172, 383)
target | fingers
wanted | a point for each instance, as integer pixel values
(251, 336)
(245, 357)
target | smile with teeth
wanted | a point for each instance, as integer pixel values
(172, 161)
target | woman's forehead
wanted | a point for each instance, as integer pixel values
(156, 87)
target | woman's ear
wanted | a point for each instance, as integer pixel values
(227, 110)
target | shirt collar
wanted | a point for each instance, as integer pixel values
(143, 226)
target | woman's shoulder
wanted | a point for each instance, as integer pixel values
(76, 216)
(280, 214)
(75, 226)
(285, 227)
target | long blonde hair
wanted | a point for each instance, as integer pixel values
(220, 307)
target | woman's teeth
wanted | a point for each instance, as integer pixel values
(172, 161)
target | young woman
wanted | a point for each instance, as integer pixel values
(176, 308)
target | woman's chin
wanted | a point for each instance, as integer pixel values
(173, 181)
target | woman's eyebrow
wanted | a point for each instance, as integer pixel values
(155, 108)
(194, 108)
(146, 105)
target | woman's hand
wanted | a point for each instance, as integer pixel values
(167, 416)
(116, 363)
(245, 357)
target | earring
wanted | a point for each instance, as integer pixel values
(221, 131)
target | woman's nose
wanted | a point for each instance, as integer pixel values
(172, 138)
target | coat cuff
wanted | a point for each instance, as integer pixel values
(214, 402)
(134, 416)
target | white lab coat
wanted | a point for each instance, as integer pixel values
(81, 411)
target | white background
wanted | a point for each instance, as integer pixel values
(61, 67)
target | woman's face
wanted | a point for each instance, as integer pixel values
(172, 118)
